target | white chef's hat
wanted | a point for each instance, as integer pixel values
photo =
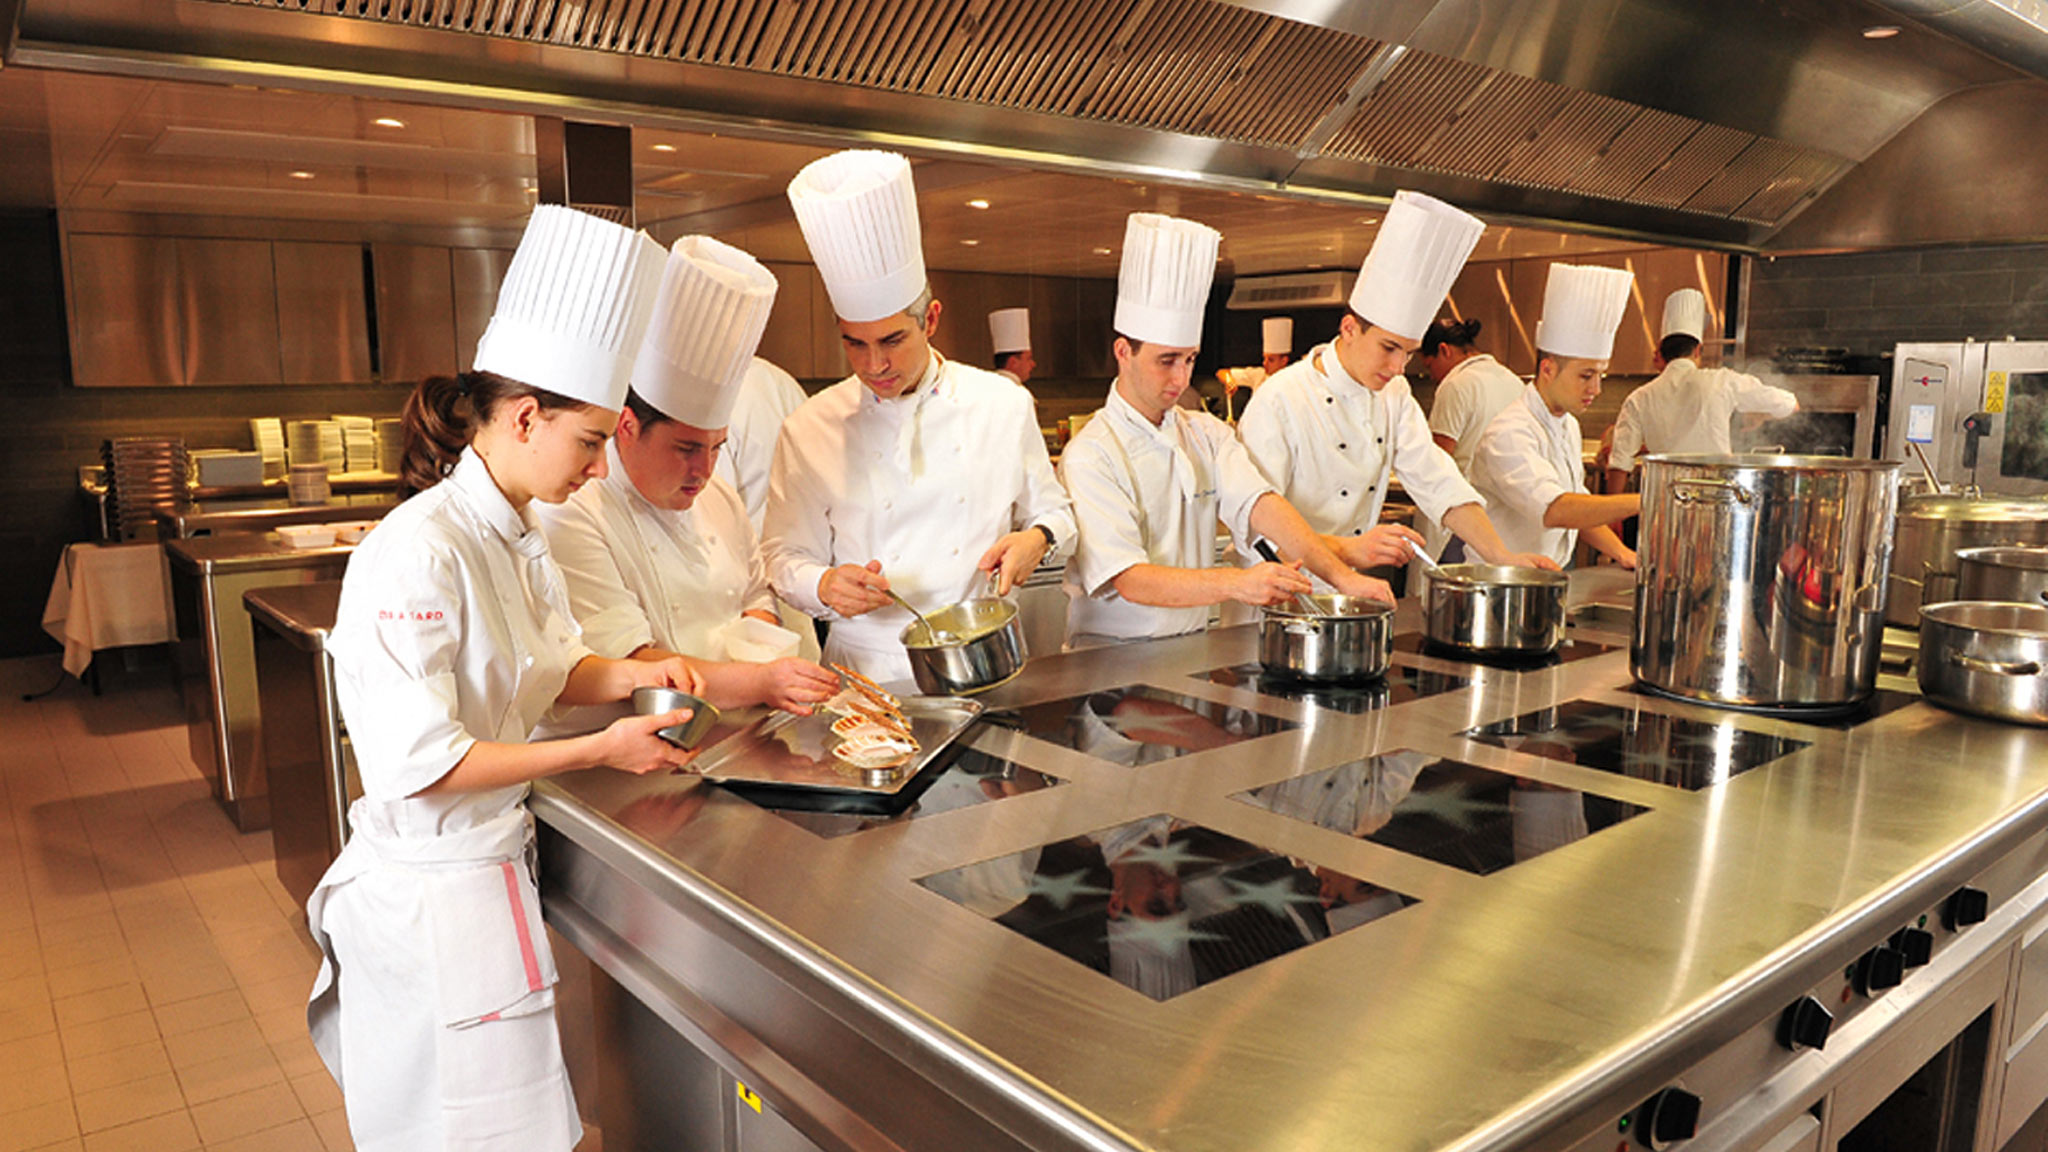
(1276, 335)
(858, 212)
(1162, 285)
(707, 321)
(1685, 314)
(1421, 248)
(573, 306)
(1582, 306)
(1010, 330)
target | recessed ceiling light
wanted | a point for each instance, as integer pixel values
(970, 243)
(664, 147)
(1368, 220)
(1102, 251)
(388, 122)
(1880, 31)
(983, 204)
(301, 174)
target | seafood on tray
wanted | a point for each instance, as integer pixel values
(871, 727)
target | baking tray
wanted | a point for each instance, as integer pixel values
(782, 758)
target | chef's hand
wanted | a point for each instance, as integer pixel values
(1364, 587)
(1267, 583)
(673, 672)
(1626, 559)
(1382, 546)
(854, 589)
(1013, 558)
(795, 685)
(630, 745)
(1531, 560)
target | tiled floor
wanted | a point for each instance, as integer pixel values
(153, 971)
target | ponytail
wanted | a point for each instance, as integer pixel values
(444, 412)
(1460, 334)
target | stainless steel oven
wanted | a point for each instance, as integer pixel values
(1979, 412)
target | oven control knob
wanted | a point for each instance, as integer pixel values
(1805, 1024)
(1915, 946)
(1878, 969)
(1966, 906)
(1671, 1115)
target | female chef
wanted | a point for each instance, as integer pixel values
(434, 1006)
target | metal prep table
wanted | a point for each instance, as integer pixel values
(216, 655)
(264, 513)
(307, 761)
(806, 971)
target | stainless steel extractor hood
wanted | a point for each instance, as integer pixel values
(1715, 122)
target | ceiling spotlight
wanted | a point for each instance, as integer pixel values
(1880, 31)
(388, 122)
(301, 174)
(664, 147)
(970, 243)
(981, 204)
(1102, 251)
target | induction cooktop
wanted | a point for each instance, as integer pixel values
(1639, 743)
(974, 777)
(1461, 815)
(1400, 685)
(1162, 905)
(1139, 724)
(1573, 648)
(1881, 702)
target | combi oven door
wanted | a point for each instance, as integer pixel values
(2012, 458)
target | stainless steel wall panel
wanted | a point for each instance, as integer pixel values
(478, 272)
(125, 320)
(415, 311)
(229, 293)
(322, 316)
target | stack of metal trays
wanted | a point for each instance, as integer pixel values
(144, 473)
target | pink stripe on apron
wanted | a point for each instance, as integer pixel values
(526, 954)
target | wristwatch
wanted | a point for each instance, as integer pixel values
(1051, 541)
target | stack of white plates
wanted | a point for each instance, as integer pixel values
(315, 441)
(145, 473)
(268, 433)
(309, 484)
(358, 443)
(390, 445)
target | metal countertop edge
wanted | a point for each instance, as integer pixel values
(909, 1027)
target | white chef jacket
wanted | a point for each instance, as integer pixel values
(1470, 395)
(1146, 494)
(925, 483)
(1526, 459)
(1330, 443)
(434, 1006)
(766, 398)
(1687, 408)
(1012, 377)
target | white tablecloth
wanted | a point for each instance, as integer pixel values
(108, 596)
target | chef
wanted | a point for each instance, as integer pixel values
(1472, 387)
(1276, 345)
(1150, 479)
(1009, 332)
(1686, 408)
(916, 475)
(1331, 429)
(659, 554)
(434, 1007)
(767, 395)
(1530, 461)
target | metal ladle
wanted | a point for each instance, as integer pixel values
(931, 632)
(1932, 479)
(1428, 564)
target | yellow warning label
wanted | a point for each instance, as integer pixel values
(1994, 392)
(747, 1096)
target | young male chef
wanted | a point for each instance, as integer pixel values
(1151, 479)
(916, 475)
(1330, 429)
(658, 553)
(1687, 407)
(1530, 461)
(1276, 350)
(766, 398)
(1009, 331)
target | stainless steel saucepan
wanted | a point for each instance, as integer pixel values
(1987, 658)
(1325, 639)
(2013, 575)
(965, 648)
(1495, 608)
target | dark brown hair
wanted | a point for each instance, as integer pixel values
(647, 414)
(1677, 346)
(444, 412)
(1460, 334)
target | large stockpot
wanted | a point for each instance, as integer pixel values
(1760, 580)
(980, 644)
(1934, 527)
(2012, 575)
(1344, 638)
(1986, 658)
(1493, 608)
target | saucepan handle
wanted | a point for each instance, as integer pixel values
(1995, 667)
(1682, 491)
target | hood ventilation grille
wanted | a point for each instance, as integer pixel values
(1201, 68)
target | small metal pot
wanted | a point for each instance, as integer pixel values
(1932, 532)
(1986, 658)
(1495, 608)
(2012, 575)
(979, 644)
(1346, 638)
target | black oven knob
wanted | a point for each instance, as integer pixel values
(1878, 969)
(1915, 946)
(1671, 1115)
(1805, 1024)
(1966, 906)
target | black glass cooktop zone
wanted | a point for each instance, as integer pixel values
(1634, 742)
(1879, 703)
(1140, 724)
(1398, 686)
(1418, 644)
(1162, 905)
(1457, 814)
(974, 777)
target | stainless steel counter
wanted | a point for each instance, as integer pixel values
(1523, 1008)
(261, 514)
(308, 767)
